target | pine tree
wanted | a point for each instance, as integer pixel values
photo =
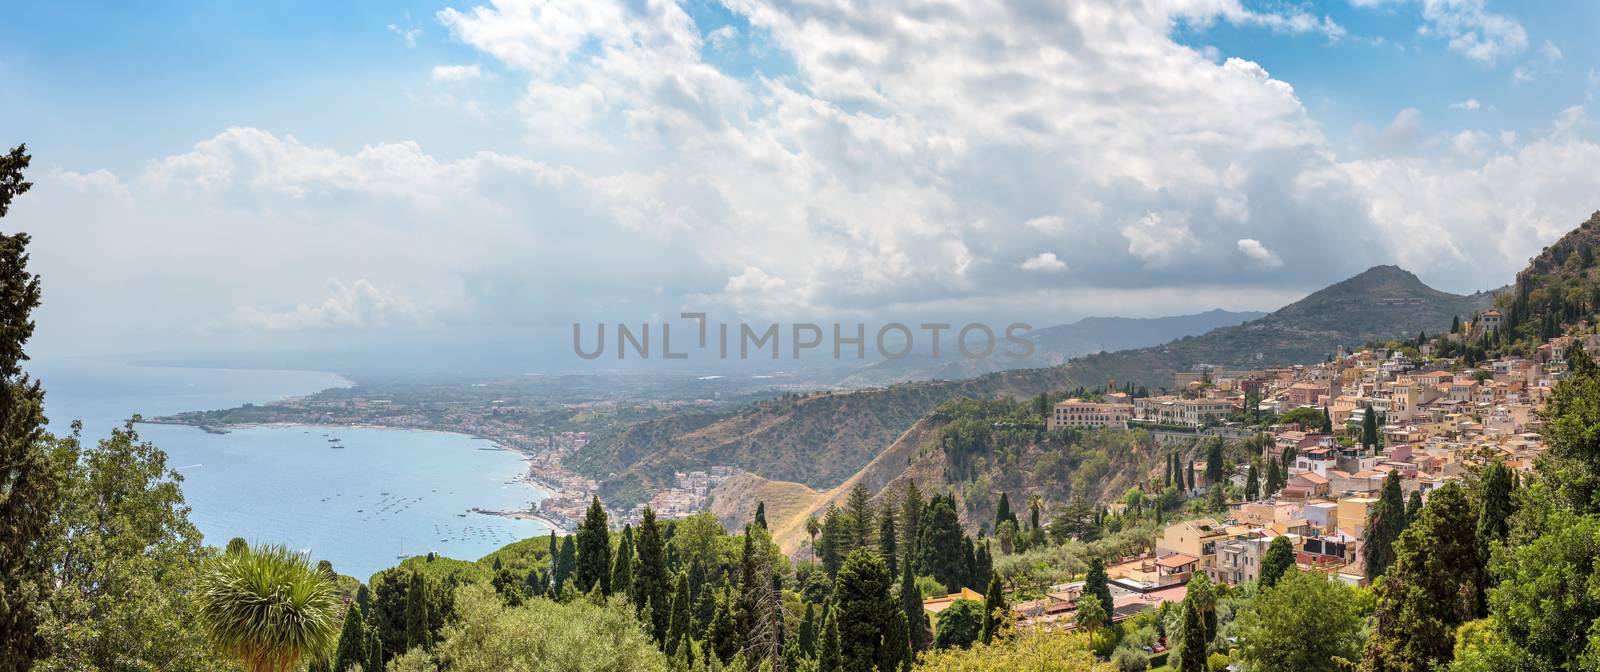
(418, 632)
(594, 550)
(650, 575)
(32, 468)
(1252, 484)
(622, 566)
(829, 649)
(835, 540)
(859, 505)
(1385, 521)
(911, 604)
(761, 514)
(1097, 584)
(352, 649)
(1278, 560)
(994, 610)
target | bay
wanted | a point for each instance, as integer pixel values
(380, 495)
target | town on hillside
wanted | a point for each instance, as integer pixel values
(1360, 417)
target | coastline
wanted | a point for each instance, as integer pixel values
(526, 477)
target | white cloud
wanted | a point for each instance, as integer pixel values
(357, 304)
(1158, 237)
(407, 32)
(456, 73)
(723, 37)
(1253, 248)
(1048, 224)
(1468, 104)
(1473, 31)
(1044, 262)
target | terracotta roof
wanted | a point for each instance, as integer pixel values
(1176, 560)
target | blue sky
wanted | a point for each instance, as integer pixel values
(313, 174)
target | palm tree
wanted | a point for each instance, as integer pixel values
(269, 607)
(812, 528)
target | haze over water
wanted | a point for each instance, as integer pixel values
(387, 493)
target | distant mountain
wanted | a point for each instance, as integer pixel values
(1382, 303)
(1055, 345)
(824, 438)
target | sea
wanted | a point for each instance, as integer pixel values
(363, 502)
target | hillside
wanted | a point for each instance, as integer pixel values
(1022, 461)
(1558, 290)
(822, 439)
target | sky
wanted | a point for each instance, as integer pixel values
(233, 177)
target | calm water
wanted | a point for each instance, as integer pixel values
(387, 493)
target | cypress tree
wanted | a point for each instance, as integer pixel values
(1252, 484)
(886, 540)
(722, 635)
(1002, 511)
(1274, 477)
(622, 566)
(1495, 514)
(1369, 428)
(1385, 521)
(1097, 584)
(910, 521)
(911, 604)
(650, 576)
(829, 649)
(352, 649)
(594, 550)
(808, 631)
(1214, 462)
(678, 629)
(761, 514)
(1327, 420)
(994, 609)
(983, 565)
(1413, 506)
(566, 563)
(32, 469)
(374, 659)
(418, 633)
(943, 553)
(969, 564)
(1193, 657)
(894, 654)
